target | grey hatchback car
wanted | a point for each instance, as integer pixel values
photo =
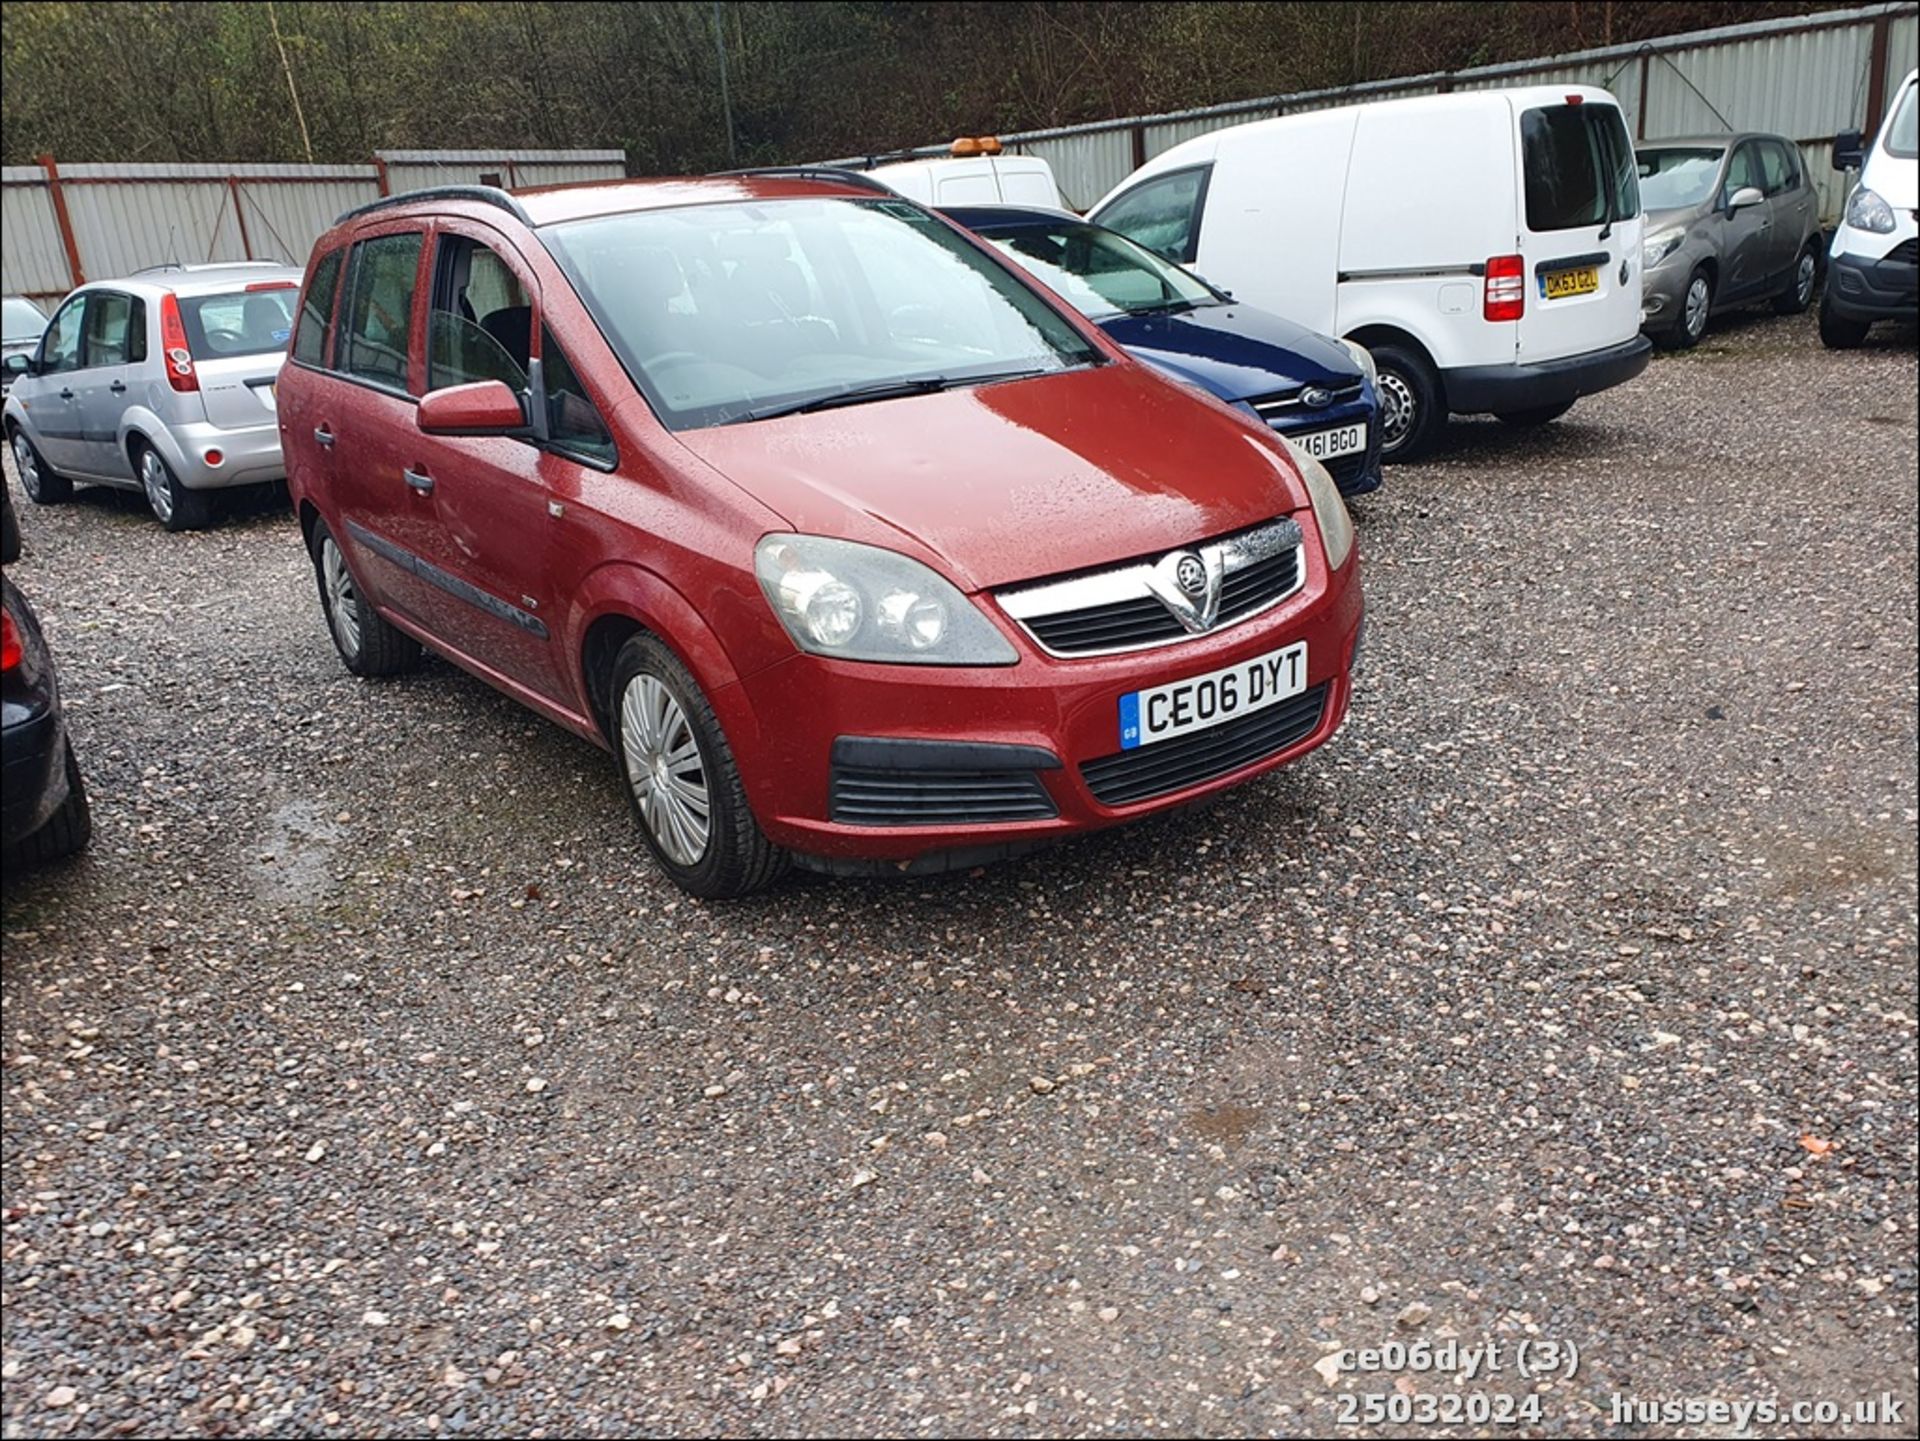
(162, 382)
(1731, 220)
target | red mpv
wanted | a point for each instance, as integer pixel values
(852, 543)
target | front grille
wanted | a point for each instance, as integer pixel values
(1907, 252)
(863, 797)
(1158, 770)
(1285, 404)
(1118, 609)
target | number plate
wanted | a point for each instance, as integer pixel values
(1326, 444)
(1182, 706)
(1557, 284)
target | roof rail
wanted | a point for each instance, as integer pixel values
(485, 194)
(812, 172)
(205, 265)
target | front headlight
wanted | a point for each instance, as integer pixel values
(1658, 247)
(859, 602)
(1329, 510)
(1365, 361)
(1867, 211)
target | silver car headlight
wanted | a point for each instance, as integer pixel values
(1329, 510)
(1658, 247)
(859, 602)
(1364, 360)
(1867, 211)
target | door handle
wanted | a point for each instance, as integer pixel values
(119, 387)
(419, 480)
(323, 435)
(66, 395)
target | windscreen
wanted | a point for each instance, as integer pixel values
(1579, 167)
(1903, 131)
(1100, 272)
(245, 322)
(1674, 179)
(23, 320)
(722, 312)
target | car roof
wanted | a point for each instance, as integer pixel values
(580, 200)
(201, 279)
(1725, 139)
(1007, 217)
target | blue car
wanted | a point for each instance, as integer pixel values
(1316, 391)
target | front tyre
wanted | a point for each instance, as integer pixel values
(1696, 308)
(42, 486)
(682, 780)
(1411, 410)
(173, 505)
(1837, 332)
(368, 645)
(68, 830)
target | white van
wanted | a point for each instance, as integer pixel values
(1484, 246)
(1871, 269)
(978, 179)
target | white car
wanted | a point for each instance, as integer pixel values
(162, 382)
(1875, 257)
(1484, 246)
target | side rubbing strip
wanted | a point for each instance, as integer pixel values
(453, 585)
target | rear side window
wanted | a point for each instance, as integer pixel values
(241, 322)
(310, 338)
(1163, 214)
(481, 323)
(377, 330)
(1579, 167)
(116, 330)
(572, 422)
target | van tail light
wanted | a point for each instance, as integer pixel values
(1506, 297)
(173, 343)
(9, 642)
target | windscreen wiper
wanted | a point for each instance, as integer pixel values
(882, 390)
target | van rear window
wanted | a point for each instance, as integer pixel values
(1579, 167)
(247, 322)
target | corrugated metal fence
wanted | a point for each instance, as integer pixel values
(1806, 77)
(62, 224)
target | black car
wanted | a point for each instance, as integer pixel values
(43, 803)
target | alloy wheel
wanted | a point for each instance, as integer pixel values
(28, 465)
(1803, 279)
(157, 484)
(1698, 296)
(665, 769)
(343, 610)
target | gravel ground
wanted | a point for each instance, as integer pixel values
(366, 1079)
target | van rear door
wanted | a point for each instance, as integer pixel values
(1580, 227)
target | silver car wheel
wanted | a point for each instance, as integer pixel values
(664, 767)
(1803, 279)
(29, 467)
(1699, 296)
(1397, 406)
(157, 484)
(343, 601)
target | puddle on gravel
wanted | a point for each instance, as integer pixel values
(293, 858)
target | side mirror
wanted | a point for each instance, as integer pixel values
(1849, 150)
(19, 363)
(1745, 196)
(486, 407)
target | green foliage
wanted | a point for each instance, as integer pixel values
(207, 80)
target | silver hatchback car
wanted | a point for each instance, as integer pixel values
(162, 382)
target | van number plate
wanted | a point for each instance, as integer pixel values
(1200, 701)
(1557, 284)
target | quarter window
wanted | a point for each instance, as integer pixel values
(573, 424)
(316, 309)
(1777, 165)
(60, 349)
(1744, 171)
(1163, 214)
(379, 320)
(481, 324)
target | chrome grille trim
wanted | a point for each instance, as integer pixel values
(1283, 403)
(1125, 586)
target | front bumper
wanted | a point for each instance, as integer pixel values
(1664, 292)
(33, 775)
(1497, 389)
(786, 721)
(250, 457)
(1883, 289)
